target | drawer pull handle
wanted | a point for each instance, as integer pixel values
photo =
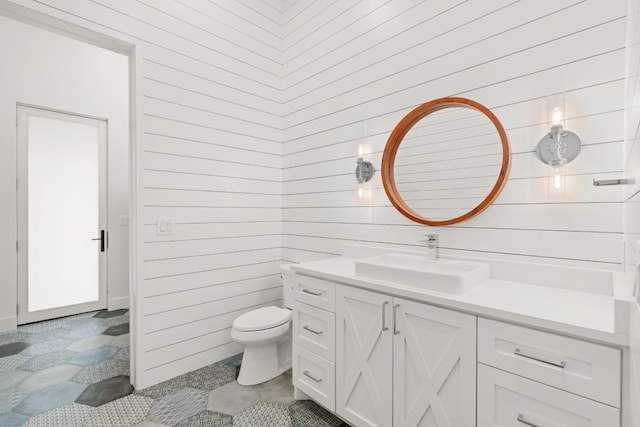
(395, 329)
(384, 316)
(310, 292)
(307, 374)
(525, 422)
(560, 365)
(310, 329)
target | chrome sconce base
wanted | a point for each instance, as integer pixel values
(558, 142)
(364, 171)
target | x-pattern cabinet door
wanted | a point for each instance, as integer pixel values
(434, 366)
(364, 352)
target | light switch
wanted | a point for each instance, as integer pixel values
(165, 226)
(161, 226)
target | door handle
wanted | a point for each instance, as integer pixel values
(102, 240)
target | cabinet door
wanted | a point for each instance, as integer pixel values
(434, 366)
(363, 357)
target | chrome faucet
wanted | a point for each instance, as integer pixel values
(432, 246)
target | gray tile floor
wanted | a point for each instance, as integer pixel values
(74, 371)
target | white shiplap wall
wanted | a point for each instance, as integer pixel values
(632, 199)
(353, 70)
(632, 135)
(224, 83)
(211, 119)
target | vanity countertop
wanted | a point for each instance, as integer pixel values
(585, 315)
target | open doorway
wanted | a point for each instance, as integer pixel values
(53, 84)
(75, 76)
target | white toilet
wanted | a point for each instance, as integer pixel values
(266, 335)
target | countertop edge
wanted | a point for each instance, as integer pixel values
(456, 303)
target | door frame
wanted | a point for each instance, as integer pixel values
(23, 112)
(57, 21)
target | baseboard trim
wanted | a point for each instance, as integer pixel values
(8, 324)
(118, 303)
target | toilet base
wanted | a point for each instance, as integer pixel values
(261, 363)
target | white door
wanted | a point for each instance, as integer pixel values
(62, 219)
(363, 357)
(434, 367)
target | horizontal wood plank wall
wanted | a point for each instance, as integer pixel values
(353, 70)
(632, 202)
(212, 123)
(224, 84)
(632, 136)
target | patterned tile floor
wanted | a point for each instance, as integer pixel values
(74, 371)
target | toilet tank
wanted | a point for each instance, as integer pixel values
(287, 275)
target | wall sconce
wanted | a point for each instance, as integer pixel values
(364, 172)
(556, 149)
(364, 168)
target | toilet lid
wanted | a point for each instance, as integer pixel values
(262, 318)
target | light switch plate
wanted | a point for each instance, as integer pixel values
(124, 220)
(165, 227)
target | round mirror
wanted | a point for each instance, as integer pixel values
(446, 161)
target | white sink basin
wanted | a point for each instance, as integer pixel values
(442, 275)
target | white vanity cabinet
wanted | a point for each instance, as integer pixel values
(313, 364)
(402, 363)
(380, 360)
(533, 378)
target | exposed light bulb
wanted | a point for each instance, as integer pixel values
(360, 150)
(557, 179)
(360, 192)
(557, 116)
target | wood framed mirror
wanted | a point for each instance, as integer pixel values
(446, 161)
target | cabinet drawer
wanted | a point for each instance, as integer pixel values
(584, 368)
(315, 330)
(314, 376)
(507, 400)
(315, 292)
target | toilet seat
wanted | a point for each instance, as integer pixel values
(262, 318)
